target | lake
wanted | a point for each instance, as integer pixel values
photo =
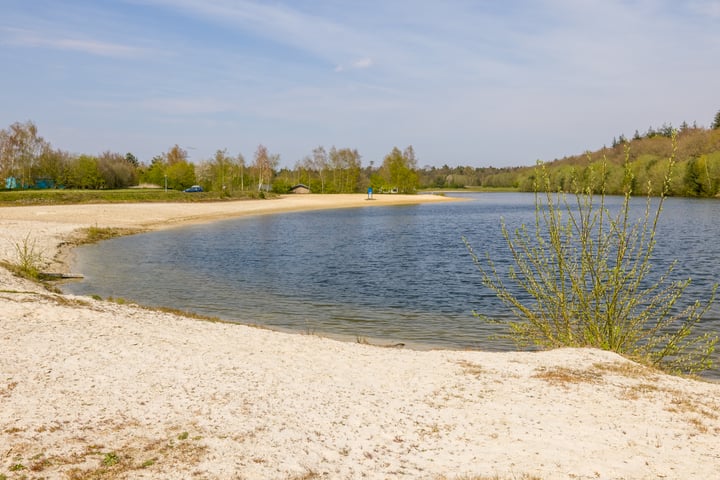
(399, 274)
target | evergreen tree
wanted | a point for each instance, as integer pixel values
(716, 123)
(132, 160)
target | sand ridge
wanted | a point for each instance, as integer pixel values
(92, 389)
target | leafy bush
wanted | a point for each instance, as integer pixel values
(583, 278)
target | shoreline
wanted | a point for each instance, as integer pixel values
(94, 389)
(56, 227)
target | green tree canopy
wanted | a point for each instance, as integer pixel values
(83, 172)
(398, 171)
(180, 175)
(171, 167)
(222, 172)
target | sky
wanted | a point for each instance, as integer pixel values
(465, 82)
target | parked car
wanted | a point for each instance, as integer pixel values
(194, 188)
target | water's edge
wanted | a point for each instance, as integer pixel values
(385, 275)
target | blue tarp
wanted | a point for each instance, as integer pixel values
(43, 183)
(11, 183)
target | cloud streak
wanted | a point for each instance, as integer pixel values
(33, 39)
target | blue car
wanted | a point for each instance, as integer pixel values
(194, 188)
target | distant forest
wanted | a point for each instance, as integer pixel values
(696, 173)
(27, 161)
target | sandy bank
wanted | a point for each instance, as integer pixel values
(91, 389)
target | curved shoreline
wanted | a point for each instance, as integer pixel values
(52, 225)
(91, 388)
(54, 228)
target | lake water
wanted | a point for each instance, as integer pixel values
(389, 274)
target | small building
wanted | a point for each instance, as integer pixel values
(300, 188)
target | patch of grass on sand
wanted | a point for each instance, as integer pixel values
(96, 234)
(308, 475)
(595, 374)
(628, 370)
(564, 376)
(471, 368)
(523, 476)
(29, 259)
(161, 455)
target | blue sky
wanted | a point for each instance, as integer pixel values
(465, 82)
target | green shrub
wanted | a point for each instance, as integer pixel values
(582, 278)
(29, 258)
(110, 459)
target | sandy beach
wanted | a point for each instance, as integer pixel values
(93, 389)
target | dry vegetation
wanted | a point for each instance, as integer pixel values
(471, 368)
(493, 477)
(644, 383)
(105, 462)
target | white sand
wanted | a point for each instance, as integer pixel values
(85, 381)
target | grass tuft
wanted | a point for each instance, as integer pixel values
(30, 259)
(110, 459)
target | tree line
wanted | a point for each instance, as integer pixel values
(695, 151)
(29, 161)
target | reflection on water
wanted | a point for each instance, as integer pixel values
(396, 273)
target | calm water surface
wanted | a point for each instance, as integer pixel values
(397, 274)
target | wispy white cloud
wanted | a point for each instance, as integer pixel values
(276, 22)
(33, 39)
(185, 106)
(181, 106)
(362, 63)
(359, 64)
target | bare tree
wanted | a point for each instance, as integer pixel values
(176, 154)
(239, 171)
(264, 164)
(20, 149)
(319, 163)
(346, 169)
(116, 170)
